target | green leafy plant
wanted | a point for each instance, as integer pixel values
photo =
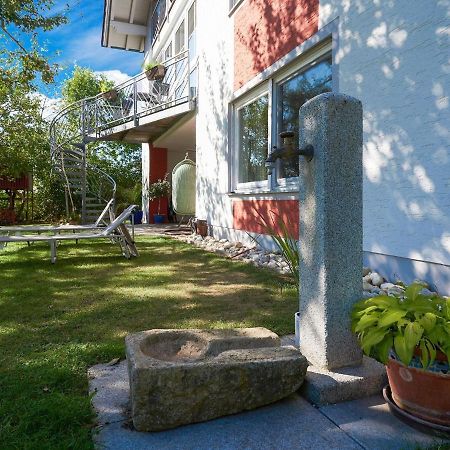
(126, 196)
(149, 65)
(284, 240)
(154, 70)
(158, 190)
(407, 323)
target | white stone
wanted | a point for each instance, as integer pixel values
(376, 278)
(427, 292)
(386, 286)
(367, 279)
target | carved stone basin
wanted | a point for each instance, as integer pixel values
(184, 376)
(174, 346)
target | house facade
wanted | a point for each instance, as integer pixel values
(248, 67)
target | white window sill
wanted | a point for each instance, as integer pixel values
(265, 193)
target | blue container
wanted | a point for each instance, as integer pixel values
(138, 216)
(159, 218)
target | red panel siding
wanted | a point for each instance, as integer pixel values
(22, 183)
(266, 30)
(158, 169)
(245, 214)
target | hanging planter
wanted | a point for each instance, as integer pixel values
(110, 95)
(155, 71)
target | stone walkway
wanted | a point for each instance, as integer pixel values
(291, 424)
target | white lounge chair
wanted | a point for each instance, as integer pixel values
(100, 223)
(116, 231)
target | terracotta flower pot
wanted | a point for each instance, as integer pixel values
(423, 393)
(156, 73)
(110, 95)
(202, 228)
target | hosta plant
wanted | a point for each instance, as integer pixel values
(409, 324)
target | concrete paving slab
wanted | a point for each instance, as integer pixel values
(290, 424)
(369, 422)
(111, 390)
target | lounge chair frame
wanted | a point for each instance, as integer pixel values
(116, 231)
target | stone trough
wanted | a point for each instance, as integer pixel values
(179, 377)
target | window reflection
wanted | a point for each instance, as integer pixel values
(291, 95)
(253, 140)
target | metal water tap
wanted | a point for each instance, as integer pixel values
(288, 151)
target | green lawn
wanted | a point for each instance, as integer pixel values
(57, 320)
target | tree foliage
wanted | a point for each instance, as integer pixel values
(24, 143)
(24, 138)
(22, 56)
(84, 83)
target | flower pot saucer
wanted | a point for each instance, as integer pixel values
(422, 425)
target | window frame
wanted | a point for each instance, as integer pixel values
(182, 29)
(270, 86)
(261, 91)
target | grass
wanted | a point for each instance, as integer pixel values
(57, 320)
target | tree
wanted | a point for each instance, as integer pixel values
(84, 83)
(24, 144)
(21, 54)
(24, 148)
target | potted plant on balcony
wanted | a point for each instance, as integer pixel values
(157, 191)
(154, 71)
(110, 95)
(410, 334)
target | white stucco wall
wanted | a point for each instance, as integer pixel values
(394, 57)
(215, 50)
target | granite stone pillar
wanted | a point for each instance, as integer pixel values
(331, 254)
(330, 229)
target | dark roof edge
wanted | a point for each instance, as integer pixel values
(105, 24)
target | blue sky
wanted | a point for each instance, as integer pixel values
(78, 43)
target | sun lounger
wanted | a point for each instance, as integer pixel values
(100, 223)
(116, 231)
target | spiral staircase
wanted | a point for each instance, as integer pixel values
(88, 189)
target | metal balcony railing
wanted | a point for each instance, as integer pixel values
(159, 15)
(138, 97)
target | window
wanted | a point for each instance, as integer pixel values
(273, 107)
(168, 52)
(179, 39)
(191, 33)
(291, 94)
(253, 140)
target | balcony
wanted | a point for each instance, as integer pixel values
(158, 18)
(139, 108)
